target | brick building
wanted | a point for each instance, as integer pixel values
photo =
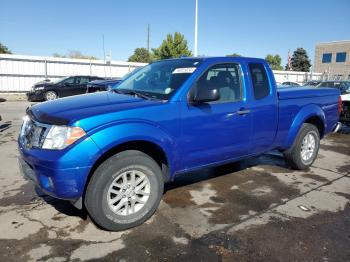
(333, 60)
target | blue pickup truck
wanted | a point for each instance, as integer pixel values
(111, 152)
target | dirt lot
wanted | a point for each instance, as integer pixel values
(247, 211)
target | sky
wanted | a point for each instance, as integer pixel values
(250, 27)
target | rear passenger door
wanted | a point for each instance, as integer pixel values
(264, 108)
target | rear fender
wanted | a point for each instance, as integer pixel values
(301, 117)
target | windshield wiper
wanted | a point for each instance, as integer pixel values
(132, 92)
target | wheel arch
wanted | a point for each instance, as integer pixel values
(311, 114)
(150, 148)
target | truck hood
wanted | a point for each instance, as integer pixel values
(67, 110)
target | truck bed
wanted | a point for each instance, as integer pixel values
(304, 92)
(297, 102)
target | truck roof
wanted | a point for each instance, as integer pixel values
(222, 58)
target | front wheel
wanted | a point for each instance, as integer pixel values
(124, 191)
(50, 95)
(305, 148)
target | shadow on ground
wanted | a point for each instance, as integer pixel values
(6, 125)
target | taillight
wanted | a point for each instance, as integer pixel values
(340, 105)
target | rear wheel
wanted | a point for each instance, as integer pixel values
(305, 148)
(50, 95)
(124, 191)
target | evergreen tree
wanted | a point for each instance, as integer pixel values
(300, 60)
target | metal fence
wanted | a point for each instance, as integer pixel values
(294, 76)
(18, 73)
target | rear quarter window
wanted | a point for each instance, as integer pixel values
(259, 79)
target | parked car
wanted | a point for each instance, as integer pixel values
(344, 87)
(312, 83)
(68, 86)
(102, 85)
(112, 152)
(288, 83)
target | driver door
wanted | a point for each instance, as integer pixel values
(67, 86)
(220, 130)
(80, 85)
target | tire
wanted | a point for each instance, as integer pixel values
(301, 156)
(50, 95)
(108, 182)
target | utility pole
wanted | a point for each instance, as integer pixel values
(196, 31)
(148, 37)
(104, 54)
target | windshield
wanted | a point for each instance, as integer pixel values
(59, 80)
(160, 79)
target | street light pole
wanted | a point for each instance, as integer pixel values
(196, 31)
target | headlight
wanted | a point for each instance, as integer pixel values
(39, 88)
(59, 137)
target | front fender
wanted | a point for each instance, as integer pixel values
(119, 133)
(300, 118)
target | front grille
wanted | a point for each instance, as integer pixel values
(33, 133)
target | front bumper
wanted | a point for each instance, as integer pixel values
(59, 173)
(35, 96)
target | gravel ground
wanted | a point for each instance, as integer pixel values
(246, 211)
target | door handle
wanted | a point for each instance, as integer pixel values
(243, 112)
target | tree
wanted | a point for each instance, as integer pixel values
(300, 60)
(172, 47)
(234, 54)
(58, 55)
(140, 55)
(74, 54)
(4, 49)
(274, 61)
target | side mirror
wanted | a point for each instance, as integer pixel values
(204, 95)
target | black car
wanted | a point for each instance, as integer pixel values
(68, 86)
(312, 83)
(344, 87)
(102, 85)
(289, 83)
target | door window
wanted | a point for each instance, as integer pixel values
(225, 78)
(69, 81)
(260, 81)
(82, 80)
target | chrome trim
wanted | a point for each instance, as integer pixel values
(337, 127)
(33, 133)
